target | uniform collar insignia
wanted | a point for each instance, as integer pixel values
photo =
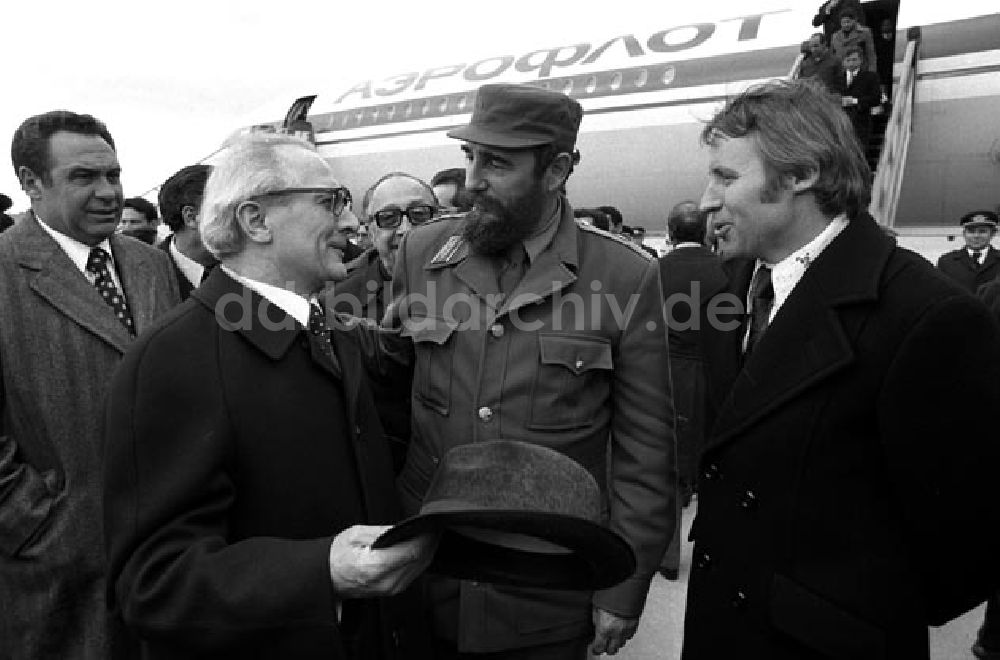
(448, 250)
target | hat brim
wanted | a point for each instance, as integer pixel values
(490, 138)
(980, 223)
(596, 557)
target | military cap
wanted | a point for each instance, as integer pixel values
(979, 219)
(521, 116)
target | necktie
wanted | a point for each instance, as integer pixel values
(512, 269)
(97, 264)
(761, 301)
(319, 338)
(976, 257)
(208, 271)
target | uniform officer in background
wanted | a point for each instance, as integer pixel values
(528, 326)
(978, 262)
(843, 505)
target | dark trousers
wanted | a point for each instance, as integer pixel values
(576, 649)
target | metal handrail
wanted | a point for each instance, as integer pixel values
(892, 161)
(793, 73)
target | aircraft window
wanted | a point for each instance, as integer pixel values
(616, 81)
(375, 115)
(408, 109)
(591, 84)
(425, 106)
(443, 105)
(391, 112)
(567, 86)
(463, 102)
(642, 79)
(360, 115)
(669, 74)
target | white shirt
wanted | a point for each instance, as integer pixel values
(786, 273)
(686, 244)
(289, 302)
(978, 258)
(191, 269)
(79, 253)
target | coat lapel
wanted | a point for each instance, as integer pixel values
(62, 285)
(806, 342)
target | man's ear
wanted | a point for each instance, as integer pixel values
(557, 171)
(31, 183)
(189, 214)
(251, 217)
(804, 184)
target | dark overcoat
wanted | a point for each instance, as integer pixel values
(574, 358)
(234, 455)
(846, 498)
(962, 270)
(59, 344)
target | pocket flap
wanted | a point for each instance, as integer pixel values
(575, 352)
(428, 329)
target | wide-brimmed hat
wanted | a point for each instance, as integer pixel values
(521, 116)
(979, 219)
(519, 514)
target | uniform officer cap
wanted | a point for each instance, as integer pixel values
(979, 219)
(521, 116)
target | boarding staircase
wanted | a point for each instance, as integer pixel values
(895, 143)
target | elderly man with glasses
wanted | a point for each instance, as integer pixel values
(247, 474)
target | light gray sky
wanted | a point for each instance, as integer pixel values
(173, 79)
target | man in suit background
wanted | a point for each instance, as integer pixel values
(689, 273)
(836, 457)
(247, 475)
(823, 65)
(397, 202)
(861, 93)
(977, 263)
(139, 220)
(73, 295)
(511, 310)
(449, 188)
(179, 201)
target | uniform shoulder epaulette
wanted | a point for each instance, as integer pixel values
(586, 226)
(448, 250)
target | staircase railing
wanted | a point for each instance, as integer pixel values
(892, 160)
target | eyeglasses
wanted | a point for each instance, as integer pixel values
(418, 214)
(340, 198)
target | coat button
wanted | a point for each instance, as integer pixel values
(703, 561)
(711, 472)
(579, 364)
(749, 501)
(739, 600)
(485, 414)
(496, 330)
(357, 430)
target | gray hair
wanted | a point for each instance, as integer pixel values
(249, 166)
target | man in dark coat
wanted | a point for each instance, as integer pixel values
(179, 201)
(836, 452)
(689, 273)
(978, 262)
(828, 14)
(823, 65)
(861, 93)
(60, 340)
(528, 326)
(246, 472)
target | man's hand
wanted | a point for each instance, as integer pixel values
(611, 632)
(358, 571)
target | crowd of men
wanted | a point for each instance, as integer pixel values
(852, 61)
(201, 441)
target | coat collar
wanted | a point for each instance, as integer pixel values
(58, 281)
(265, 325)
(553, 270)
(806, 342)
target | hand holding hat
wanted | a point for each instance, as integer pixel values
(359, 571)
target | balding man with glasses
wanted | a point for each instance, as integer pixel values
(247, 474)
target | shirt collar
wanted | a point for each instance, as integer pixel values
(289, 302)
(192, 270)
(534, 245)
(77, 252)
(786, 273)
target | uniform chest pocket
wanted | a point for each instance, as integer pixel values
(572, 381)
(435, 348)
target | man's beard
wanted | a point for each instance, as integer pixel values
(492, 227)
